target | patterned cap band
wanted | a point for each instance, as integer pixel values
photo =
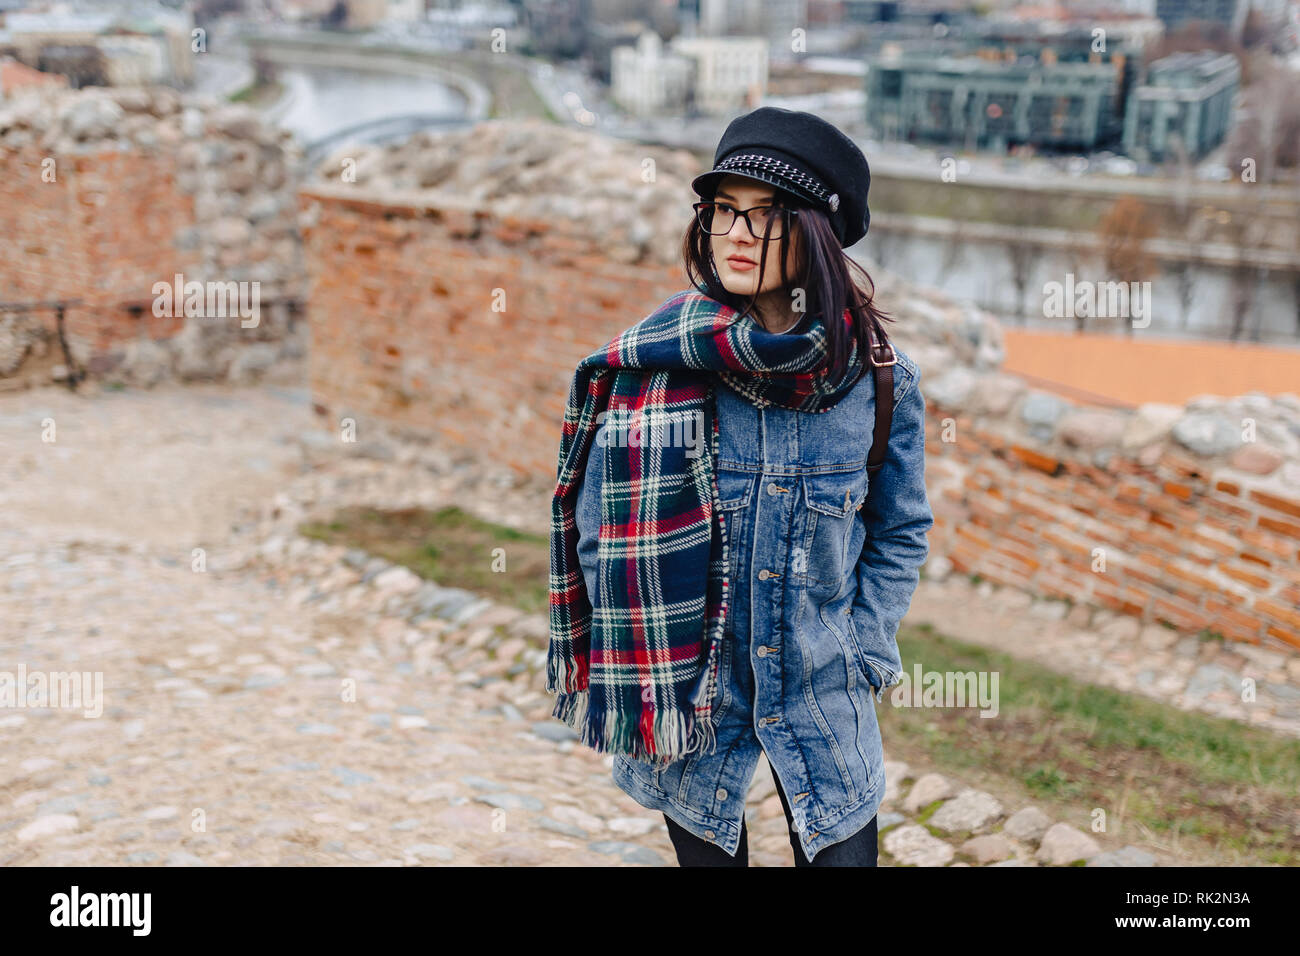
(797, 176)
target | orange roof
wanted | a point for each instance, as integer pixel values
(1105, 369)
(14, 75)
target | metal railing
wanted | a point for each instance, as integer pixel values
(135, 307)
(60, 306)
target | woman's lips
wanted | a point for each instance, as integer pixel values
(741, 265)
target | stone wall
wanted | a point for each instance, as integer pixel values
(1163, 512)
(104, 193)
(1188, 515)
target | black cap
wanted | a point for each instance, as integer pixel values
(802, 153)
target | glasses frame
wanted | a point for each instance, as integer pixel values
(699, 208)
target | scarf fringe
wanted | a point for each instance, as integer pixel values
(675, 734)
(564, 674)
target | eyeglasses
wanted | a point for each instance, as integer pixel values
(717, 218)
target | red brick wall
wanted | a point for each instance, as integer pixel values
(1178, 546)
(403, 332)
(403, 327)
(43, 255)
(102, 232)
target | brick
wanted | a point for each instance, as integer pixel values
(1034, 459)
(1123, 599)
(1180, 614)
(1287, 636)
(1289, 529)
(1232, 622)
(1188, 575)
(1285, 614)
(1286, 506)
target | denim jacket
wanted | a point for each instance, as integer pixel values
(823, 566)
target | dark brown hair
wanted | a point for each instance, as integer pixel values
(827, 276)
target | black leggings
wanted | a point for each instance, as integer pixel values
(857, 850)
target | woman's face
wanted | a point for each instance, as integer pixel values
(738, 277)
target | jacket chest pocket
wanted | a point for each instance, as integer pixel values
(828, 509)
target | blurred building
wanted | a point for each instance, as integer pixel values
(1229, 13)
(718, 18)
(707, 74)
(405, 11)
(1271, 13)
(134, 45)
(363, 14)
(1187, 94)
(730, 73)
(557, 27)
(603, 39)
(648, 80)
(1056, 93)
(300, 11)
(15, 76)
(915, 13)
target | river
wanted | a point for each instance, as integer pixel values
(982, 273)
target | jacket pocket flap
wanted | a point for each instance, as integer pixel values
(734, 489)
(836, 494)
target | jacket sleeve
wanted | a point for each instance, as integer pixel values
(897, 516)
(588, 513)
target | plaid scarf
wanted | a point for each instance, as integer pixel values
(638, 673)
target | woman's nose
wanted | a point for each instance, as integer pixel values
(740, 230)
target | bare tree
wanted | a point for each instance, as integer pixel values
(1076, 259)
(886, 243)
(1266, 130)
(1295, 277)
(1242, 270)
(1022, 253)
(1022, 249)
(1181, 175)
(1122, 234)
(953, 249)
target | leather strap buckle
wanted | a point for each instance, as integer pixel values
(888, 350)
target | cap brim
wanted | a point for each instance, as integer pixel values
(707, 183)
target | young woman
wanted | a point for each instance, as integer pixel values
(728, 576)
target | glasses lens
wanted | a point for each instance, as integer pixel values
(717, 219)
(769, 217)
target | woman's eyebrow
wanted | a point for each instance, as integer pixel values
(727, 195)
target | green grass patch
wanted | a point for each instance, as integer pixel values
(1178, 777)
(1147, 764)
(258, 94)
(449, 546)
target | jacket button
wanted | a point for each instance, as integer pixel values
(771, 487)
(709, 834)
(764, 574)
(762, 651)
(722, 793)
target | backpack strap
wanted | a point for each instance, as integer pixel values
(883, 359)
